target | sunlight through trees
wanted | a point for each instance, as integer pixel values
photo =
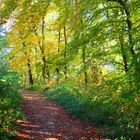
(87, 47)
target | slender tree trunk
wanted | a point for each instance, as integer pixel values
(41, 45)
(30, 77)
(58, 50)
(43, 49)
(37, 74)
(36, 34)
(129, 25)
(31, 82)
(45, 69)
(65, 53)
(85, 66)
(124, 55)
(84, 61)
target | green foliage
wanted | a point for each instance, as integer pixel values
(10, 102)
(6, 8)
(6, 135)
(92, 42)
(109, 105)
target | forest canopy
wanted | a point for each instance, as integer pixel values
(89, 49)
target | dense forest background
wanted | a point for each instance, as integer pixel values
(84, 53)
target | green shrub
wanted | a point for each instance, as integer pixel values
(109, 105)
(10, 103)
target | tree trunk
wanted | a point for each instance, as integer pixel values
(58, 50)
(30, 77)
(124, 55)
(84, 65)
(37, 74)
(42, 50)
(45, 69)
(31, 82)
(65, 53)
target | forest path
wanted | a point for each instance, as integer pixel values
(47, 120)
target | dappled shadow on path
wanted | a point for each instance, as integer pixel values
(30, 131)
(47, 120)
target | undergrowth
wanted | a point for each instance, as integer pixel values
(108, 105)
(10, 103)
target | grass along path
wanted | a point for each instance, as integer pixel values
(47, 120)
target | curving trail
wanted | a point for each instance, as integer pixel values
(47, 120)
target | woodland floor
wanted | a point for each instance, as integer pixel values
(47, 120)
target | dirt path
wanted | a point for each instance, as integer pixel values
(47, 120)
